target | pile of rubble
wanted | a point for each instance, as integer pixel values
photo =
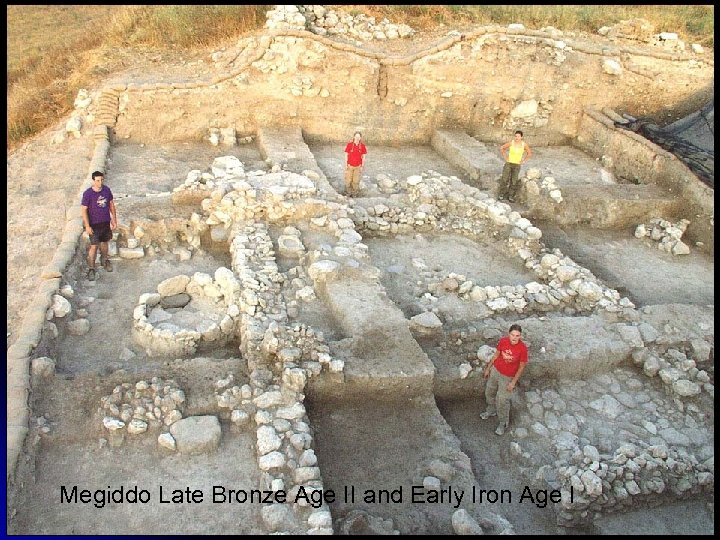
(617, 443)
(323, 21)
(667, 234)
(633, 472)
(135, 408)
(680, 374)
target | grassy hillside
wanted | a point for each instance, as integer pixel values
(53, 51)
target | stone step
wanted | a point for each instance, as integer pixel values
(382, 357)
(559, 347)
(606, 206)
(286, 147)
(481, 162)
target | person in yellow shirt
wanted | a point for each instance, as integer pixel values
(515, 153)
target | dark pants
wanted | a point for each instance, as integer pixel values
(509, 183)
(101, 233)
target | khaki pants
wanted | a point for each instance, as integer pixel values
(352, 178)
(497, 397)
(509, 183)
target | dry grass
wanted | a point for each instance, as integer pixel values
(53, 51)
(183, 26)
(692, 23)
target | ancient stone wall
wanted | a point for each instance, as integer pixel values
(488, 82)
(636, 158)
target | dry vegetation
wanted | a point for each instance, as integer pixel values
(53, 51)
(692, 23)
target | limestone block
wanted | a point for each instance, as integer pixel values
(113, 424)
(43, 367)
(612, 67)
(290, 246)
(463, 523)
(137, 426)
(60, 306)
(239, 417)
(273, 460)
(590, 291)
(267, 440)
(167, 441)
(74, 125)
(197, 434)
(525, 109)
(132, 253)
(268, 399)
(224, 166)
(426, 323)
(683, 387)
(293, 412)
(174, 285)
(320, 270)
(485, 353)
(630, 335)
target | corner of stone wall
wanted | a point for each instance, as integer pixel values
(634, 156)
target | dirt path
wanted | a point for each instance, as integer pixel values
(42, 182)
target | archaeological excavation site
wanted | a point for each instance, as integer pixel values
(273, 355)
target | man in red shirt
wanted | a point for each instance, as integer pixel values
(356, 151)
(509, 361)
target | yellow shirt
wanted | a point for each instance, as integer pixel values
(516, 154)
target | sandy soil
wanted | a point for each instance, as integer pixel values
(72, 455)
(482, 262)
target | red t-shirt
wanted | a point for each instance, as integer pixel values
(519, 354)
(355, 153)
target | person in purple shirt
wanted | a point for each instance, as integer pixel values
(100, 219)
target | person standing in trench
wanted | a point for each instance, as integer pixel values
(515, 153)
(100, 219)
(355, 151)
(502, 372)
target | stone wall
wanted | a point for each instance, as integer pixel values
(637, 158)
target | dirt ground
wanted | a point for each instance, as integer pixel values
(635, 267)
(42, 180)
(397, 162)
(76, 453)
(137, 169)
(382, 444)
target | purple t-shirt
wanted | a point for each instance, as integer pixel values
(98, 204)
